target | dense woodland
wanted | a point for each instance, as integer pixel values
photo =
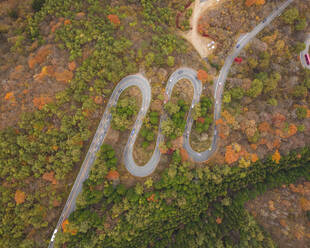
(39, 156)
(147, 215)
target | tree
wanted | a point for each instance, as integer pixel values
(123, 113)
(139, 189)
(113, 175)
(271, 83)
(20, 197)
(167, 127)
(301, 24)
(256, 88)
(226, 97)
(196, 112)
(300, 91)
(237, 93)
(149, 58)
(114, 19)
(299, 46)
(170, 61)
(290, 15)
(301, 113)
(172, 108)
(276, 157)
(202, 75)
(249, 3)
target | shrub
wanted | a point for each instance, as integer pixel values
(301, 113)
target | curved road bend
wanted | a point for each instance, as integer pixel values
(220, 83)
(143, 84)
(304, 52)
(132, 80)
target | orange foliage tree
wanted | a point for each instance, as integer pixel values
(254, 157)
(9, 96)
(66, 227)
(218, 220)
(231, 155)
(39, 102)
(292, 129)
(184, 154)
(276, 157)
(152, 198)
(49, 176)
(114, 19)
(202, 75)
(113, 175)
(249, 3)
(20, 196)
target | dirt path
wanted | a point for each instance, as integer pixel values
(200, 43)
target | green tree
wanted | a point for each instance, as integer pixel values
(149, 58)
(196, 112)
(226, 97)
(256, 88)
(301, 113)
(290, 15)
(123, 113)
(237, 93)
(300, 91)
(167, 127)
(301, 24)
(299, 46)
(172, 108)
(170, 61)
(271, 83)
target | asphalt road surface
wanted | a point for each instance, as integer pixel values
(304, 52)
(143, 84)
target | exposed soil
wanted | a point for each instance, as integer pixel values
(199, 42)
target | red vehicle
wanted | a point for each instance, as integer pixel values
(307, 59)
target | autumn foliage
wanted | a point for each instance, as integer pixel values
(218, 220)
(202, 76)
(9, 96)
(276, 157)
(113, 175)
(254, 157)
(292, 129)
(39, 102)
(49, 176)
(66, 228)
(152, 198)
(20, 196)
(114, 19)
(231, 155)
(184, 154)
(249, 3)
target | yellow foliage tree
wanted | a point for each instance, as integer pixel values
(244, 163)
(276, 157)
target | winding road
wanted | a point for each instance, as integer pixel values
(143, 84)
(304, 52)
